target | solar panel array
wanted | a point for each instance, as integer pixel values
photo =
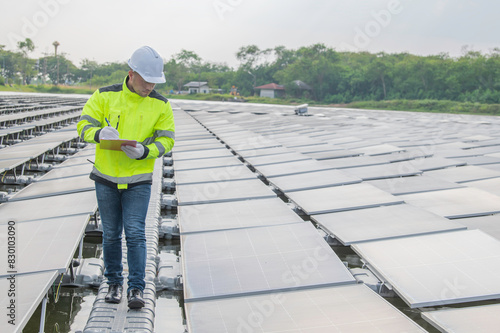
(379, 184)
(378, 181)
(48, 223)
(415, 195)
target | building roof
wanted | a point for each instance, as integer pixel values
(195, 84)
(271, 86)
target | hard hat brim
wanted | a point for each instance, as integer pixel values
(155, 80)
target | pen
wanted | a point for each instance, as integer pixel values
(118, 122)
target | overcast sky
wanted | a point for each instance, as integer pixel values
(110, 30)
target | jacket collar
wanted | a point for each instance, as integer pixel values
(128, 93)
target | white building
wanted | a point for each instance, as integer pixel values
(271, 90)
(195, 87)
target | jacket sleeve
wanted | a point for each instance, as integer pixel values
(164, 134)
(89, 125)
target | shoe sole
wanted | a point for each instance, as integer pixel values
(112, 301)
(136, 304)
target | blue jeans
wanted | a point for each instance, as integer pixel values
(124, 210)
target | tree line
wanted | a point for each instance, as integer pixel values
(331, 76)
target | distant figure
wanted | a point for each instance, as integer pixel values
(132, 110)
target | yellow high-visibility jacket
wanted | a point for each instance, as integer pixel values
(149, 120)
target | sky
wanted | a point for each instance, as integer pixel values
(110, 30)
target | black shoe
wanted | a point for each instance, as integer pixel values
(114, 294)
(135, 300)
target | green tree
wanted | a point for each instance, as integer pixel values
(26, 65)
(379, 72)
(10, 65)
(88, 68)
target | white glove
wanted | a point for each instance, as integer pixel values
(108, 133)
(134, 152)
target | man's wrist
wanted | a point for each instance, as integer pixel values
(146, 153)
(96, 135)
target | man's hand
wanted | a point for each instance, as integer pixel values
(108, 133)
(134, 152)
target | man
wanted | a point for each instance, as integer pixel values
(134, 111)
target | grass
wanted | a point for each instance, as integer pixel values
(47, 89)
(437, 106)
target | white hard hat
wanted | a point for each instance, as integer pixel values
(148, 64)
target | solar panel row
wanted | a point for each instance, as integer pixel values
(243, 250)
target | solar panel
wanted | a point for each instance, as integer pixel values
(49, 207)
(256, 260)
(262, 152)
(414, 184)
(489, 185)
(455, 153)
(344, 139)
(45, 244)
(304, 141)
(349, 308)
(222, 191)
(206, 163)
(357, 161)
(384, 171)
(322, 147)
(312, 180)
(485, 150)
(408, 154)
(340, 198)
(275, 159)
(188, 135)
(489, 224)
(384, 222)
(438, 269)
(198, 154)
(291, 168)
(456, 203)
(233, 215)
(77, 160)
(381, 149)
(197, 142)
(248, 140)
(24, 152)
(89, 150)
(434, 163)
(454, 145)
(208, 146)
(331, 154)
(480, 160)
(66, 173)
(477, 138)
(494, 167)
(463, 174)
(55, 187)
(484, 319)
(31, 290)
(210, 175)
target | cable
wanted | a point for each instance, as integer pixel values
(56, 293)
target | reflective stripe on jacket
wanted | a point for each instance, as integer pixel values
(149, 120)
